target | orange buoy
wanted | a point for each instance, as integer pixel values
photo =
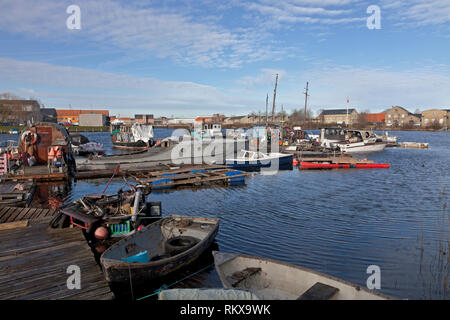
(101, 233)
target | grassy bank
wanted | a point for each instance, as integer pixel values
(87, 129)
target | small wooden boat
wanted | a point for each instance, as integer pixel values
(275, 280)
(253, 160)
(159, 248)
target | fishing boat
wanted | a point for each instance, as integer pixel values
(255, 159)
(136, 137)
(90, 148)
(120, 213)
(275, 280)
(176, 150)
(351, 141)
(159, 249)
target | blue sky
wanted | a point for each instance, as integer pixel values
(197, 57)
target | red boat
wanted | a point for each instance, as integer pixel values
(310, 165)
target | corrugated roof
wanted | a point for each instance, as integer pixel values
(336, 111)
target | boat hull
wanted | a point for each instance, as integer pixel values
(117, 271)
(367, 148)
(139, 145)
(185, 153)
(276, 280)
(283, 162)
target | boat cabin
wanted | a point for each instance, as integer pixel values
(39, 140)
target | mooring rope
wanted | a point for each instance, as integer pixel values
(164, 287)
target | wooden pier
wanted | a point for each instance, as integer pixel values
(413, 145)
(38, 173)
(34, 261)
(12, 214)
(192, 176)
(16, 194)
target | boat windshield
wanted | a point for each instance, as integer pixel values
(244, 154)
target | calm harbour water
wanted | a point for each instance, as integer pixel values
(338, 222)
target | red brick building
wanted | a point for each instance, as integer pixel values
(73, 116)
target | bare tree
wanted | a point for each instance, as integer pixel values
(298, 116)
(9, 96)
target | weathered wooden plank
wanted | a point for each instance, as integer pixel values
(13, 225)
(7, 213)
(13, 217)
(33, 264)
(319, 291)
(23, 214)
(3, 212)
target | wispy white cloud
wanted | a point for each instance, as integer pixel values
(266, 78)
(133, 27)
(418, 12)
(124, 92)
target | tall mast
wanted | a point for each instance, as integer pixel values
(306, 102)
(267, 107)
(274, 97)
(348, 100)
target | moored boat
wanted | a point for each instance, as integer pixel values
(136, 137)
(275, 280)
(159, 249)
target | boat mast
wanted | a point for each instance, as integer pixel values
(267, 106)
(274, 97)
(348, 100)
(306, 102)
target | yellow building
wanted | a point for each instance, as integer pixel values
(398, 116)
(339, 116)
(436, 117)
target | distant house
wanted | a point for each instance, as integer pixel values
(16, 112)
(399, 116)
(440, 117)
(92, 120)
(181, 121)
(144, 118)
(73, 116)
(339, 116)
